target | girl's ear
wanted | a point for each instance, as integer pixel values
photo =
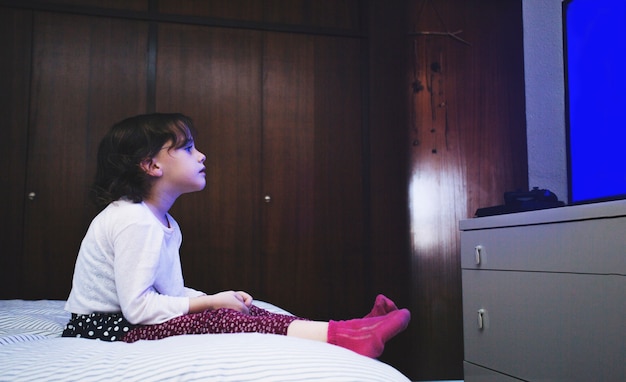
(150, 167)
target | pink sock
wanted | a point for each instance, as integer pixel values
(382, 306)
(367, 336)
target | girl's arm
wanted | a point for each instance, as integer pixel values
(239, 301)
(190, 292)
(148, 275)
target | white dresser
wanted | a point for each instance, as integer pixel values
(544, 295)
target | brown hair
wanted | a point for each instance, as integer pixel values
(126, 145)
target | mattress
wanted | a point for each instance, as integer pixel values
(31, 349)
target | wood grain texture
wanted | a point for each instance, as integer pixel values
(372, 144)
(278, 115)
(467, 145)
(88, 73)
(332, 14)
(312, 147)
(15, 44)
(387, 162)
(214, 76)
(133, 5)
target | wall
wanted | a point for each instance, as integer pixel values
(545, 95)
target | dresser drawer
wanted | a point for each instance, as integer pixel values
(587, 246)
(545, 326)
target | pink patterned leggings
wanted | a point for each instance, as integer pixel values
(214, 321)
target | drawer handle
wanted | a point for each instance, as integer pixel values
(481, 319)
(478, 252)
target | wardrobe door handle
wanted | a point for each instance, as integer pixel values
(267, 199)
(31, 195)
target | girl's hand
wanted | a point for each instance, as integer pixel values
(239, 301)
(246, 298)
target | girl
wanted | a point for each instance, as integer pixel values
(128, 282)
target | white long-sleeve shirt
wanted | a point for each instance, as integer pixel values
(129, 262)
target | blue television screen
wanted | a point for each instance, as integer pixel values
(595, 72)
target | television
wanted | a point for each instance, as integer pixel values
(595, 88)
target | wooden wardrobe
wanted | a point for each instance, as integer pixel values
(279, 115)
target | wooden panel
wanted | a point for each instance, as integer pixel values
(468, 146)
(87, 74)
(388, 167)
(342, 14)
(339, 200)
(15, 45)
(313, 246)
(135, 5)
(288, 120)
(244, 10)
(214, 76)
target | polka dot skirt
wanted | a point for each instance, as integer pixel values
(215, 321)
(101, 326)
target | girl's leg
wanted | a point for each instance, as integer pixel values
(310, 330)
(366, 336)
(213, 322)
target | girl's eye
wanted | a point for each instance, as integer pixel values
(188, 149)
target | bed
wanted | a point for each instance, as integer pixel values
(31, 349)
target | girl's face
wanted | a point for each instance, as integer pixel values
(180, 170)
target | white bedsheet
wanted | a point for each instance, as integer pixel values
(31, 350)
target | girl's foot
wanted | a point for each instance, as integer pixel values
(367, 336)
(381, 307)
